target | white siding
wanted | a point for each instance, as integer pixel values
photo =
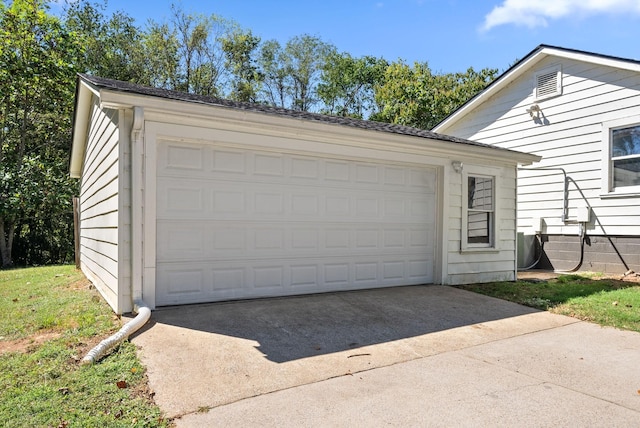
(568, 136)
(99, 205)
(489, 265)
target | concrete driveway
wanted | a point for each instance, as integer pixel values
(408, 356)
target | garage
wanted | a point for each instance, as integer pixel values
(237, 224)
(191, 199)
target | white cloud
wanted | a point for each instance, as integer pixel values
(536, 13)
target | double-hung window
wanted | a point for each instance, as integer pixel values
(621, 159)
(479, 206)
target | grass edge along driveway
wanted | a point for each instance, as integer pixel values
(587, 296)
(49, 318)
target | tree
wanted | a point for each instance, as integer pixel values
(112, 46)
(160, 57)
(239, 49)
(36, 97)
(304, 59)
(274, 73)
(202, 58)
(347, 86)
(414, 96)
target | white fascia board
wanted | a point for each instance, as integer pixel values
(82, 112)
(201, 115)
(593, 59)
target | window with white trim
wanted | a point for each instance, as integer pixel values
(547, 83)
(479, 208)
(621, 156)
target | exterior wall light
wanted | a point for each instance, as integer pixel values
(534, 111)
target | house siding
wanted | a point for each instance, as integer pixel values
(99, 204)
(478, 266)
(569, 137)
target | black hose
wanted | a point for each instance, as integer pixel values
(583, 238)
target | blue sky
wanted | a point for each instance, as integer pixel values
(451, 35)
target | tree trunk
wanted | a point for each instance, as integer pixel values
(7, 229)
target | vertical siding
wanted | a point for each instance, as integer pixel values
(474, 266)
(568, 135)
(99, 209)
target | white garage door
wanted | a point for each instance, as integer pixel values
(237, 224)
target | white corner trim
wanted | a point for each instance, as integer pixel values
(137, 204)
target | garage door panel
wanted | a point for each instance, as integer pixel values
(203, 240)
(235, 224)
(272, 168)
(194, 199)
(193, 282)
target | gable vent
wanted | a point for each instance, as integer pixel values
(548, 83)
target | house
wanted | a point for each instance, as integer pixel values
(187, 199)
(580, 111)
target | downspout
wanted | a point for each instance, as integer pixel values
(140, 307)
(137, 180)
(104, 347)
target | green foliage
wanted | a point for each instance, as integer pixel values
(50, 317)
(37, 74)
(348, 84)
(274, 73)
(239, 50)
(111, 45)
(304, 58)
(607, 302)
(415, 96)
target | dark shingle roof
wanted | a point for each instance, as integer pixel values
(120, 86)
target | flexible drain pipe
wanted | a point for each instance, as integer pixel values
(104, 347)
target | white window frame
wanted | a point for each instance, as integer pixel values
(492, 246)
(557, 69)
(607, 161)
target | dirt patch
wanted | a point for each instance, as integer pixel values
(81, 284)
(29, 343)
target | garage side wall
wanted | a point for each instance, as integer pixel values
(490, 264)
(99, 204)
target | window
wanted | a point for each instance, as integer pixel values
(478, 230)
(621, 157)
(547, 83)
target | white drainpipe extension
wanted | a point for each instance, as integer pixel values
(104, 347)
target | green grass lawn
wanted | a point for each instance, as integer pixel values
(604, 301)
(49, 319)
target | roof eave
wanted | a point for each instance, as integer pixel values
(81, 114)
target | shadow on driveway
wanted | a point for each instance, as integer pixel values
(292, 328)
(204, 356)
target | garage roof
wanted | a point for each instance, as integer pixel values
(116, 85)
(99, 83)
